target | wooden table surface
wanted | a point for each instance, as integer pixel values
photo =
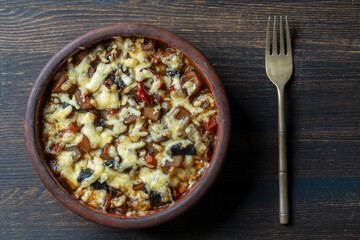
(322, 107)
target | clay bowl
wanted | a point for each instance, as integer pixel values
(41, 88)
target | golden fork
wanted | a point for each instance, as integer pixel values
(279, 68)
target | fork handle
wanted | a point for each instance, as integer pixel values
(283, 176)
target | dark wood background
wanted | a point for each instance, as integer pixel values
(323, 117)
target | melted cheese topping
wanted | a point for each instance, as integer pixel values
(104, 143)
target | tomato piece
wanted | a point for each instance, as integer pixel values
(211, 124)
(151, 161)
(144, 95)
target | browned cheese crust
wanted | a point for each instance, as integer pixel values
(129, 126)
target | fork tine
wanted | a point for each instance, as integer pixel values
(282, 50)
(288, 40)
(274, 42)
(267, 48)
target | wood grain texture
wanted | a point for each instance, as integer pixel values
(322, 107)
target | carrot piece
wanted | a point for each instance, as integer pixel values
(144, 95)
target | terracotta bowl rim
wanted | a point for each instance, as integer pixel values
(35, 101)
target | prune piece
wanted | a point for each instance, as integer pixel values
(190, 150)
(93, 66)
(85, 173)
(111, 76)
(155, 197)
(127, 72)
(179, 150)
(176, 149)
(109, 163)
(102, 123)
(172, 73)
(114, 192)
(120, 83)
(65, 105)
(127, 170)
(99, 186)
